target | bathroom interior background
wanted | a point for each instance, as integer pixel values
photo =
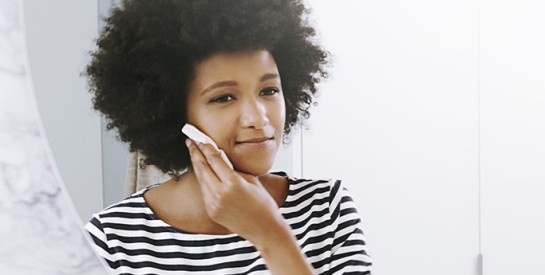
(433, 117)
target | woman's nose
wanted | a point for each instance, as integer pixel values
(254, 114)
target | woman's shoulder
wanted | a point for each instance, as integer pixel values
(316, 189)
(301, 183)
(134, 203)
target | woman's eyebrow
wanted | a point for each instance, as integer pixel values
(234, 83)
(269, 76)
(218, 85)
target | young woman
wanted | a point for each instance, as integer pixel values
(244, 73)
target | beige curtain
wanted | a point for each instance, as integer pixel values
(139, 175)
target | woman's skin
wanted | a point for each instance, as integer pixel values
(237, 100)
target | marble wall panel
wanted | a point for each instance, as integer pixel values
(40, 232)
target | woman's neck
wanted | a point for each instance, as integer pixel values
(276, 185)
(180, 202)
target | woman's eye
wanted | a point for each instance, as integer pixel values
(269, 91)
(222, 99)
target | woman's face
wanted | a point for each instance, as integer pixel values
(237, 100)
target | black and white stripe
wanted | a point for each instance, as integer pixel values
(321, 213)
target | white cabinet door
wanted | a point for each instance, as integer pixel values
(513, 136)
(397, 121)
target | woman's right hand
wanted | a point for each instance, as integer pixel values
(236, 200)
(240, 203)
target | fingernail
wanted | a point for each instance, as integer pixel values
(187, 142)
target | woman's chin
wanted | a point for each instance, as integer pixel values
(255, 165)
(254, 170)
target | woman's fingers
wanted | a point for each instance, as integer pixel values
(202, 169)
(216, 162)
(217, 192)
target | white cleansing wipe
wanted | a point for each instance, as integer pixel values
(195, 134)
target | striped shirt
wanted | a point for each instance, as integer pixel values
(321, 213)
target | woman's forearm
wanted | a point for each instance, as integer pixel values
(282, 254)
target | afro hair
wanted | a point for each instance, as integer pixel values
(141, 70)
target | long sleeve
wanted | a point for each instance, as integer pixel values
(349, 250)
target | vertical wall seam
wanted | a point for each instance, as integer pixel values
(479, 176)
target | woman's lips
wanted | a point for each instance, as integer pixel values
(255, 141)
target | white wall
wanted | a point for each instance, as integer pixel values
(513, 136)
(436, 125)
(59, 34)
